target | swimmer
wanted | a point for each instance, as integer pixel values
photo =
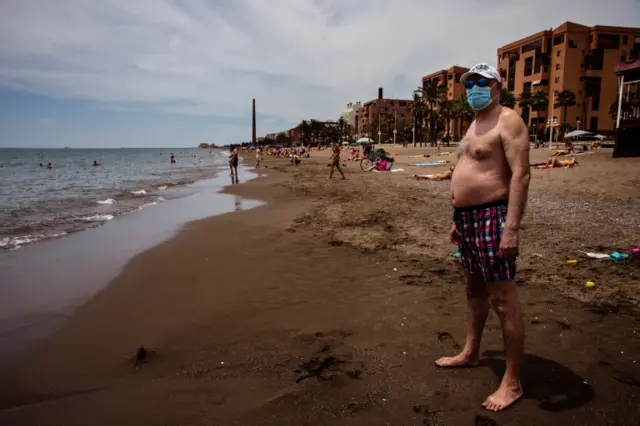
(49, 166)
(95, 163)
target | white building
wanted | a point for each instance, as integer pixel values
(350, 116)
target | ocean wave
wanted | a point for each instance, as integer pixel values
(144, 206)
(162, 187)
(96, 218)
(160, 199)
(139, 192)
(107, 201)
(13, 243)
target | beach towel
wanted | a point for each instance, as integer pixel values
(432, 163)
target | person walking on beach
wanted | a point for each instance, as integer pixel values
(489, 187)
(335, 161)
(233, 163)
(258, 157)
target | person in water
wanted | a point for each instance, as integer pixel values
(489, 189)
(49, 166)
(173, 158)
(95, 163)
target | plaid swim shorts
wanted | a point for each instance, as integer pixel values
(479, 231)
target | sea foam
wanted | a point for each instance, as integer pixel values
(107, 201)
(97, 218)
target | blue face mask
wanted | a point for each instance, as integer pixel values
(479, 97)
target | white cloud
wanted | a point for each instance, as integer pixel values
(299, 58)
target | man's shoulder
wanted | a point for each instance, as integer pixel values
(510, 117)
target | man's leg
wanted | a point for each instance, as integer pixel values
(504, 299)
(340, 170)
(478, 303)
(333, 165)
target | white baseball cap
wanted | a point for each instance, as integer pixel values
(485, 70)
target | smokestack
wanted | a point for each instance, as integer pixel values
(253, 123)
(379, 92)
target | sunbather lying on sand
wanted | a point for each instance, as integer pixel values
(436, 176)
(556, 163)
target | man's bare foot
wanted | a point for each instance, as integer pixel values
(504, 397)
(460, 360)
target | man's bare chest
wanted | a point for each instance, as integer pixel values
(481, 147)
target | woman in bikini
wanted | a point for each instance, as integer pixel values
(335, 161)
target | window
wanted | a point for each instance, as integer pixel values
(559, 52)
(593, 124)
(573, 44)
(526, 87)
(458, 75)
(557, 66)
(450, 77)
(557, 80)
(608, 41)
(625, 39)
(528, 66)
(559, 39)
(623, 56)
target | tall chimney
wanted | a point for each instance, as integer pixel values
(253, 123)
(379, 92)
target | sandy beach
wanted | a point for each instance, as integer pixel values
(329, 304)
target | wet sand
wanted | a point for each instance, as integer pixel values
(328, 305)
(43, 283)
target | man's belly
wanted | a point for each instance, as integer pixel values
(473, 186)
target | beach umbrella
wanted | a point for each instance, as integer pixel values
(600, 137)
(363, 141)
(577, 134)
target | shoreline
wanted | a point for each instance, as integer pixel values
(44, 283)
(85, 206)
(328, 304)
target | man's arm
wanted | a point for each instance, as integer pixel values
(515, 140)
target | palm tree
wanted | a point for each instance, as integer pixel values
(465, 113)
(341, 126)
(431, 92)
(524, 102)
(507, 98)
(445, 108)
(418, 109)
(316, 129)
(305, 128)
(539, 103)
(565, 99)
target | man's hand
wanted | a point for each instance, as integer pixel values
(453, 235)
(508, 249)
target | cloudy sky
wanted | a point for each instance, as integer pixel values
(112, 73)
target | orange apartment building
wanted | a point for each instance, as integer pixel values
(454, 89)
(571, 57)
(372, 112)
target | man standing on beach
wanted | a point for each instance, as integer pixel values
(489, 192)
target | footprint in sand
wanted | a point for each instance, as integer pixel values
(446, 337)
